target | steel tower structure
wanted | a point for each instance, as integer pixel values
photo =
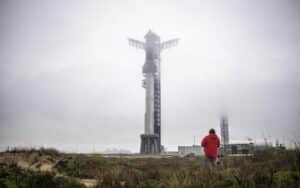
(224, 130)
(224, 134)
(151, 139)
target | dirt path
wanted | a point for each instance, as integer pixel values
(89, 182)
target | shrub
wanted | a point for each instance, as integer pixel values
(287, 179)
(12, 177)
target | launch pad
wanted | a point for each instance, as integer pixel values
(150, 144)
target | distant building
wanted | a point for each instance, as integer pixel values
(186, 150)
(263, 146)
(238, 149)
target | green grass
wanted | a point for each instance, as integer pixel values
(269, 168)
(13, 177)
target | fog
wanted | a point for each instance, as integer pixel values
(69, 79)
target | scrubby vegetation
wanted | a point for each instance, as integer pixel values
(269, 168)
(14, 177)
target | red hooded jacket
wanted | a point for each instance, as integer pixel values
(211, 143)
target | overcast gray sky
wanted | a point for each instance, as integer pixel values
(69, 79)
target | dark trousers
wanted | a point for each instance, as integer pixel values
(210, 161)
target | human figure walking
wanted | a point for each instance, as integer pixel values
(210, 143)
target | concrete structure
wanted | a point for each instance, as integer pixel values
(151, 139)
(170, 153)
(194, 149)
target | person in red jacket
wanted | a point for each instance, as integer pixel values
(211, 143)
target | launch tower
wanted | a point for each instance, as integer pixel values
(224, 134)
(151, 139)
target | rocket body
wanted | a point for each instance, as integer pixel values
(149, 114)
(151, 72)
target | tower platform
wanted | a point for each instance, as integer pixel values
(150, 144)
